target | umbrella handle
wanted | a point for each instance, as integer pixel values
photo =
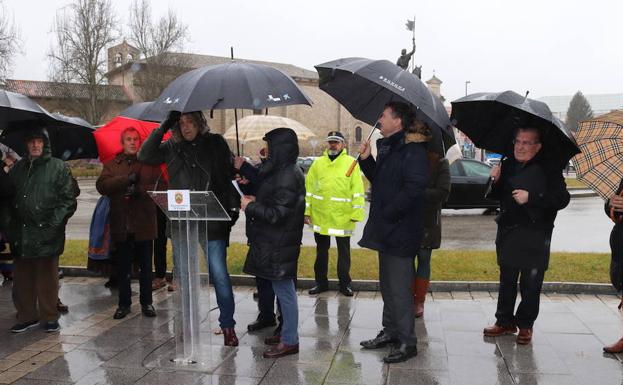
(614, 217)
(352, 167)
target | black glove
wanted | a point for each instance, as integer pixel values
(172, 119)
(133, 177)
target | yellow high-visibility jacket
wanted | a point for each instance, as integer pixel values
(334, 201)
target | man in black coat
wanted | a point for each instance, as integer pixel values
(530, 192)
(399, 177)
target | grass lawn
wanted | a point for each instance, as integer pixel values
(573, 182)
(447, 265)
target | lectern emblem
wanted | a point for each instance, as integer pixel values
(179, 198)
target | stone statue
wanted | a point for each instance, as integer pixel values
(417, 71)
(405, 58)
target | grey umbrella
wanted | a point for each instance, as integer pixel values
(16, 108)
(142, 111)
(234, 85)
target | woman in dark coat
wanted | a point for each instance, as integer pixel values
(435, 195)
(126, 181)
(614, 209)
(275, 229)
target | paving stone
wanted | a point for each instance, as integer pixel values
(400, 376)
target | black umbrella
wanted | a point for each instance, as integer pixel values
(490, 119)
(363, 86)
(234, 84)
(70, 137)
(141, 111)
(16, 108)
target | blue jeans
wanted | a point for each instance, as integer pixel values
(216, 260)
(286, 295)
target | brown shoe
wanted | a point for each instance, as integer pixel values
(158, 283)
(497, 330)
(229, 337)
(281, 350)
(172, 286)
(61, 307)
(272, 340)
(524, 337)
(617, 347)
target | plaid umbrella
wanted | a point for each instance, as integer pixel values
(600, 165)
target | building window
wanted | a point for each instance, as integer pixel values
(358, 134)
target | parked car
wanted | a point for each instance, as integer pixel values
(469, 180)
(305, 163)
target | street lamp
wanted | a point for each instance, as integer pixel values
(466, 83)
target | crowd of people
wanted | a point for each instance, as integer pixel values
(409, 180)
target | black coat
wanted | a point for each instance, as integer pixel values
(525, 231)
(275, 219)
(399, 179)
(616, 246)
(205, 164)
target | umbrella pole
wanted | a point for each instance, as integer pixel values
(352, 165)
(237, 138)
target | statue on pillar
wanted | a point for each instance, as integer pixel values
(405, 58)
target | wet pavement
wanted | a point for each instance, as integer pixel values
(92, 348)
(581, 227)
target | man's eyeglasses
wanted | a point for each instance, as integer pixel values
(524, 142)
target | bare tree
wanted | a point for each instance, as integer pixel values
(83, 31)
(9, 41)
(161, 44)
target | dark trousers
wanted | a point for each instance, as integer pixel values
(530, 283)
(126, 252)
(321, 266)
(160, 246)
(266, 300)
(395, 278)
(35, 289)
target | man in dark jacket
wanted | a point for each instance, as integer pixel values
(43, 202)
(275, 228)
(200, 161)
(530, 192)
(399, 177)
(126, 182)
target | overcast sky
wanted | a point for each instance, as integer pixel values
(553, 47)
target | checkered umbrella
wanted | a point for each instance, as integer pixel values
(600, 165)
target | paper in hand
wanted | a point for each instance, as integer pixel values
(237, 187)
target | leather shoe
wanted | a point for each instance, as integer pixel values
(260, 324)
(346, 290)
(148, 310)
(317, 289)
(273, 340)
(229, 337)
(403, 353)
(498, 330)
(382, 339)
(281, 350)
(617, 347)
(525, 336)
(121, 312)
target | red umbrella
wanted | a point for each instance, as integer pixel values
(108, 137)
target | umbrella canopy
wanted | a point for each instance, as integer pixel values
(139, 111)
(229, 85)
(108, 137)
(70, 137)
(364, 86)
(600, 164)
(490, 119)
(254, 127)
(17, 108)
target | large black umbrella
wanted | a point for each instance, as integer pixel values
(490, 120)
(142, 111)
(234, 85)
(16, 108)
(363, 86)
(70, 137)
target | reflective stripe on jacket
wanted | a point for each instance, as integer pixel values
(334, 201)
